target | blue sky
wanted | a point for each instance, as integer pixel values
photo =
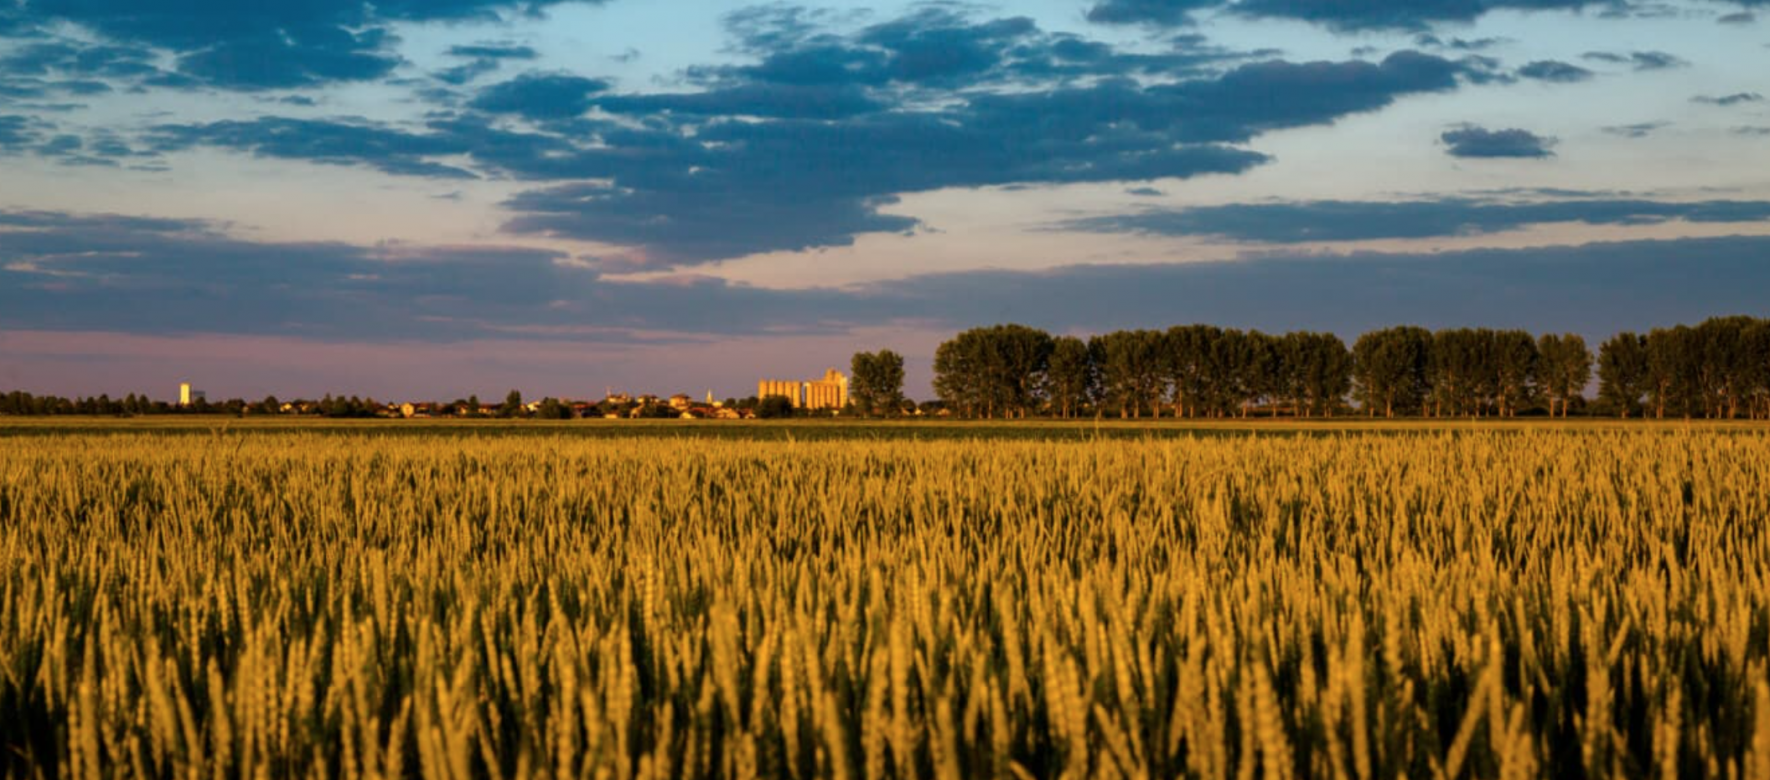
(452, 196)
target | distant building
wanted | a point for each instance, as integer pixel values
(187, 396)
(830, 392)
(680, 401)
(789, 390)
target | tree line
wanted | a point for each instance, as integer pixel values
(1719, 369)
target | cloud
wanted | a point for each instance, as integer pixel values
(1333, 14)
(938, 48)
(836, 176)
(484, 58)
(153, 276)
(71, 59)
(1398, 14)
(1428, 40)
(90, 225)
(1638, 130)
(1476, 142)
(810, 144)
(1740, 17)
(320, 141)
(1726, 101)
(63, 272)
(275, 45)
(18, 133)
(292, 59)
(1334, 221)
(541, 96)
(1639, 60)
(1153, 12)
(1555, 71)
(1145, 192)
(493, 51)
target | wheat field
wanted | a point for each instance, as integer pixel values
(1424, 604)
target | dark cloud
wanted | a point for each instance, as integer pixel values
(690, 184)
(320, 141)
(190, 25)
(937, 47)
(146, 276)
(460, 75)
(1726, 101)
(19, 133)
(74, 225)
(1555, 71)
(941, 48)
(485, 58)
(541, 96)
(493, 51)
(1334, 14)
(72, 59)
(808, 145)
(1478, 142)
(1639, 60)
(1638, 130)
(1327, 221)
(31, 88)
(838, 175)
(1145, 192)
(157, 277)
(270, 45)
(1739, 17)
(1752, 131)
(300, 58)
(771, 27)
(690, 226)
(1428, 40)
(1155, 12)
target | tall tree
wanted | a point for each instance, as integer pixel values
(512, 406)
(1723, 364)
(997, 369)
(1317, 372)
(1189, 351)
(1622, 372)
(1513, 362)
(1754, 345)
(1257, 370)
(1565, 370)
(1390, 366)
(1672, 371)
(1070, 378)
(1133, 370)
(875, 384)
(959, 373)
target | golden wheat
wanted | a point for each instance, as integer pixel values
(1460, 604)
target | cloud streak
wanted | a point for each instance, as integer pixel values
(1337, 221)
(61, 272)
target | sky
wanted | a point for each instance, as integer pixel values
(428, 199)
